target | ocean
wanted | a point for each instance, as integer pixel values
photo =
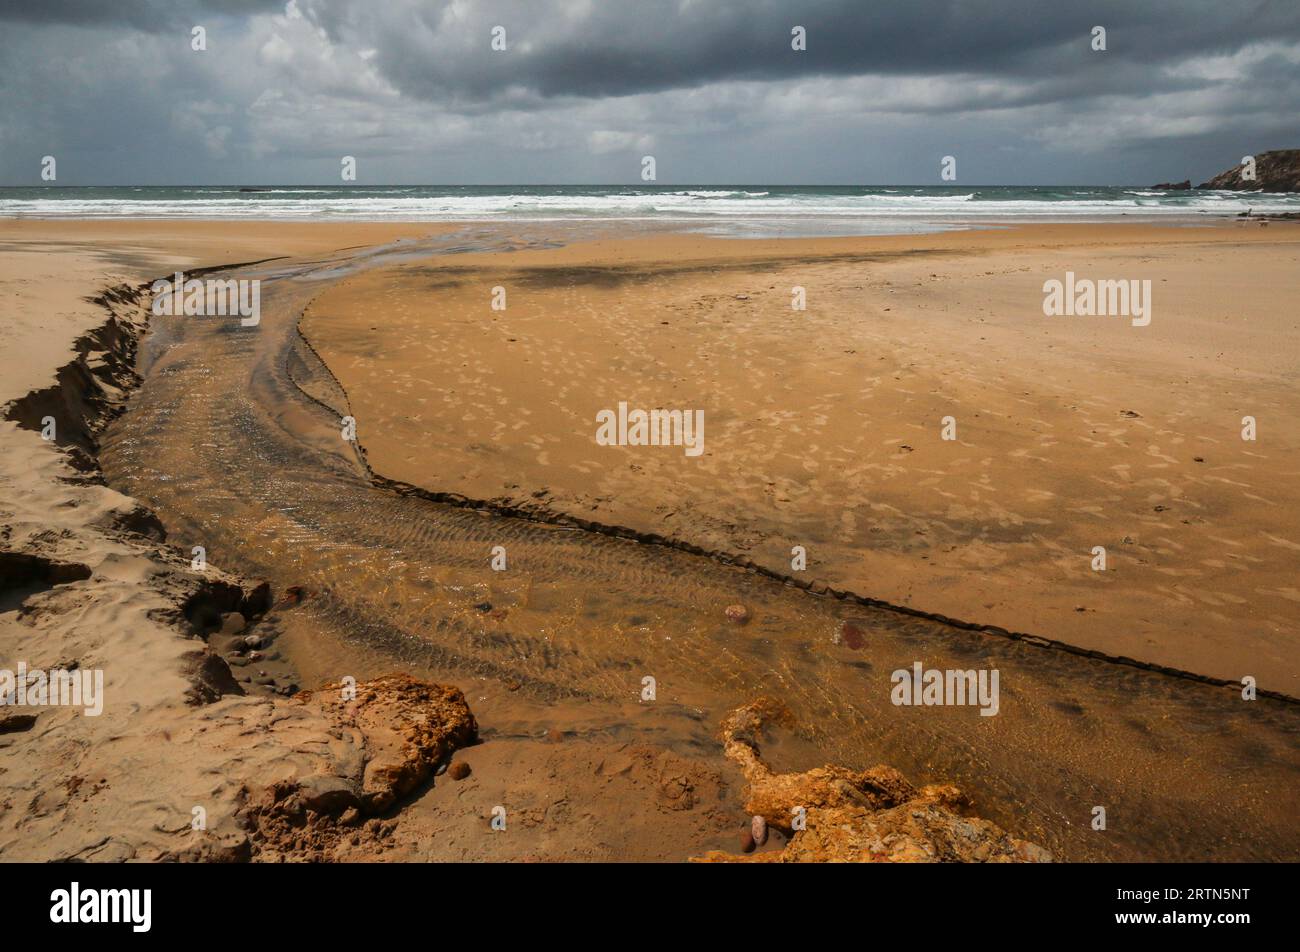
(723, 209)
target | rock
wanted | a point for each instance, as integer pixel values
(459, 770)
(232, 623)
(16, 723)
(852, 636)
(758, 829)
(1184, 185)
(737, 614)
(294, 595)
(208, 847)
(328, 794)
(1276, 171)
(397, 729)
(257, 602)
(856, 816)
(210, 678)
(252, 641)
(410, 727)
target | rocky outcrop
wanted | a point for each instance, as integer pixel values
(409, 726)
(833, 814)
(1277, 171)
(388, 735)
(1175, 186)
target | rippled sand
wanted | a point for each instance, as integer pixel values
(823, 427)
(234, 439)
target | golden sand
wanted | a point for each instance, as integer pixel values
(824, 427)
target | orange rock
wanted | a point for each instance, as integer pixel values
(863, 816)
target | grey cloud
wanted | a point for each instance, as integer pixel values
(614, 49)
(415, 90)
(144, 15)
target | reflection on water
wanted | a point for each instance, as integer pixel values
(234, 441)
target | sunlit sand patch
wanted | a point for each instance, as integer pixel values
(792, 457)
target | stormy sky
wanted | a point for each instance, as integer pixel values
(712, 88)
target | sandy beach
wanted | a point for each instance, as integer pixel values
(824, 426)
(475, 430)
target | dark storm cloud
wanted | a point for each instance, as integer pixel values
(414, 89)
(616, 49)
(147, 15)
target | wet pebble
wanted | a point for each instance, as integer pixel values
(293, 595)
(737, 614)
(758, 830)
(852, 636)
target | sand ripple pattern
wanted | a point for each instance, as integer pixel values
(234, 440)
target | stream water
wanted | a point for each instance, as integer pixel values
(234, 440)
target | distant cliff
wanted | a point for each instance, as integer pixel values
(1277, 171)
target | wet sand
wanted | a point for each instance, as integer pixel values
(233, 440)
(824, 426)
(563, 639)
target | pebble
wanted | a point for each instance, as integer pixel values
(252, 641)
(852, 636)
(738, 614)
(758, 830)
(294, 594)
(459, 770)
(14, 723)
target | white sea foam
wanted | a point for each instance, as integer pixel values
(871, 209)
